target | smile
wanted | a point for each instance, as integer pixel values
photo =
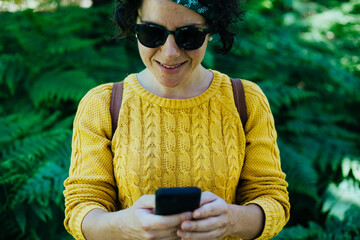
(171, 66)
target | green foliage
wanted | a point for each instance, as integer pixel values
(303, 54)
(305, 57)
(48, 61)
(333, 229)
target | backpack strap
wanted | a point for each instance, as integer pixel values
(115, 104)
(239, 97)
(117, 92)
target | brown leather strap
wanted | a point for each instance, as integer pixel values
(115, 104)
(239, 97)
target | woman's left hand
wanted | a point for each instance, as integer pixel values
(213, 220)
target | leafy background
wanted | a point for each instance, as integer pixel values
(303, 54)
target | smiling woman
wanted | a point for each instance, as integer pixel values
(172, 71)
(178, 127)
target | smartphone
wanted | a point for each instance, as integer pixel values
(170, 201)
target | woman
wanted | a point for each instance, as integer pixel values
(178, 126)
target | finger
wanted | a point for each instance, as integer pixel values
(146, 201)
(176, 237)
(170, 233)
(172, 221)
(204, 225)
(214, 208)
(215, 234)
(207, 197)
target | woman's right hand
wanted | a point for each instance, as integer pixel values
(140, 222)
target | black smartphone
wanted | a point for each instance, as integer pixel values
(176, 200)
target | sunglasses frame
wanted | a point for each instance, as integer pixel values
(168, 32)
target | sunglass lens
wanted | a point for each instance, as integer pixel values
(190, 39)
(151, 36)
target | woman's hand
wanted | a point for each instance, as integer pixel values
(140, 222)
(216, 219)
(135, 222)
(213, 220)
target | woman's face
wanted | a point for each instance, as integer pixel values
(169, 64)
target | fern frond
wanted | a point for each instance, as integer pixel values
(334, 228)
(55, 86)
(340, 198)
(31, 41)
(36, 145)
(19, 125)
(281, 95)
(300, 233)
(69, 44)
(38, 196)
(27, 155)
(12, 70)
(300, 174)
(42, 186)
(65, 122)
(43, 189)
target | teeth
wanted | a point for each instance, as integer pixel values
(174, 66)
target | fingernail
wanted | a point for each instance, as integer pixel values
(196, 214)
(186, 226)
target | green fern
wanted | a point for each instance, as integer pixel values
(11, 71)
(281, 95)
(22, 125)
(36, 178)
(301, 233)
(300, 174)
(335, 229)
(25, 155)
(66, 85)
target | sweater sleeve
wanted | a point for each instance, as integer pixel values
(91, 181)
(262, 181)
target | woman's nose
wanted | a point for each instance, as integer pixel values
(170, 49)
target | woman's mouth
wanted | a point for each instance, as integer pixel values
(171, 67)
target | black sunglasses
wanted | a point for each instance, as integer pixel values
(187, 38)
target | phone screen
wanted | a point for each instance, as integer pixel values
(177, 200)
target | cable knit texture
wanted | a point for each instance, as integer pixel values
(163, 142)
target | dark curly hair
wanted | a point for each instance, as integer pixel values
(223, 14)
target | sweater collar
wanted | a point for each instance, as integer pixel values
(176, 103)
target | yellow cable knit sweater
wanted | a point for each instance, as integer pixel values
(163, 142)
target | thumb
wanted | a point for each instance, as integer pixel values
(207, 197)
(146, 201)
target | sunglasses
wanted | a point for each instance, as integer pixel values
(187, 38)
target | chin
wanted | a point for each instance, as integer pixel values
(170, 82)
